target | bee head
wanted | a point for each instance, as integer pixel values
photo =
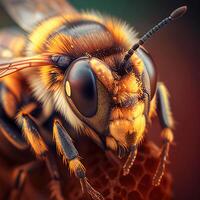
(99, 97)
(104, 102)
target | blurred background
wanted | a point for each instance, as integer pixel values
(176, 52)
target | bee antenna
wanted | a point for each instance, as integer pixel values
(179, 12)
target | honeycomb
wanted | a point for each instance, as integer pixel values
(108, 179)
(105, 176)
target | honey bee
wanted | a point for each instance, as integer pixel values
(83, 68)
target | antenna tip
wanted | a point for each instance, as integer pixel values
(179, 12)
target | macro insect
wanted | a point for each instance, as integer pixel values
(83, 69)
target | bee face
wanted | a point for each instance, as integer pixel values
(103, 102)
(86, 93)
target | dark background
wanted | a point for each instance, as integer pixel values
(176, 52)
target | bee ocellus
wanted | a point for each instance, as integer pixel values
(83, 69)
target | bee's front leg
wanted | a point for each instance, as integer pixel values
(32, 134)
(67, 149)
(166, 120)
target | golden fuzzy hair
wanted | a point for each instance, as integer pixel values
(118, 34)
(33, 137)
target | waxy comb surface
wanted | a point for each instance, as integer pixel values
(106, 177)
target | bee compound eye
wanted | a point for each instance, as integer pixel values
(81, 87)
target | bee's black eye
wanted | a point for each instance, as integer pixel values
(61, 61)
(81, 87)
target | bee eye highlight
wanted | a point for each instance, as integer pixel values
(61, 61)
(81, 85)
(68, 89)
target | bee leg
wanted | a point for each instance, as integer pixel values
(166, 120)
(32, 134)
(33, 137)
(19, 178)
(130, 160)
(67, 149)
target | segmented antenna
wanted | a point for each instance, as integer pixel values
(179, 12)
